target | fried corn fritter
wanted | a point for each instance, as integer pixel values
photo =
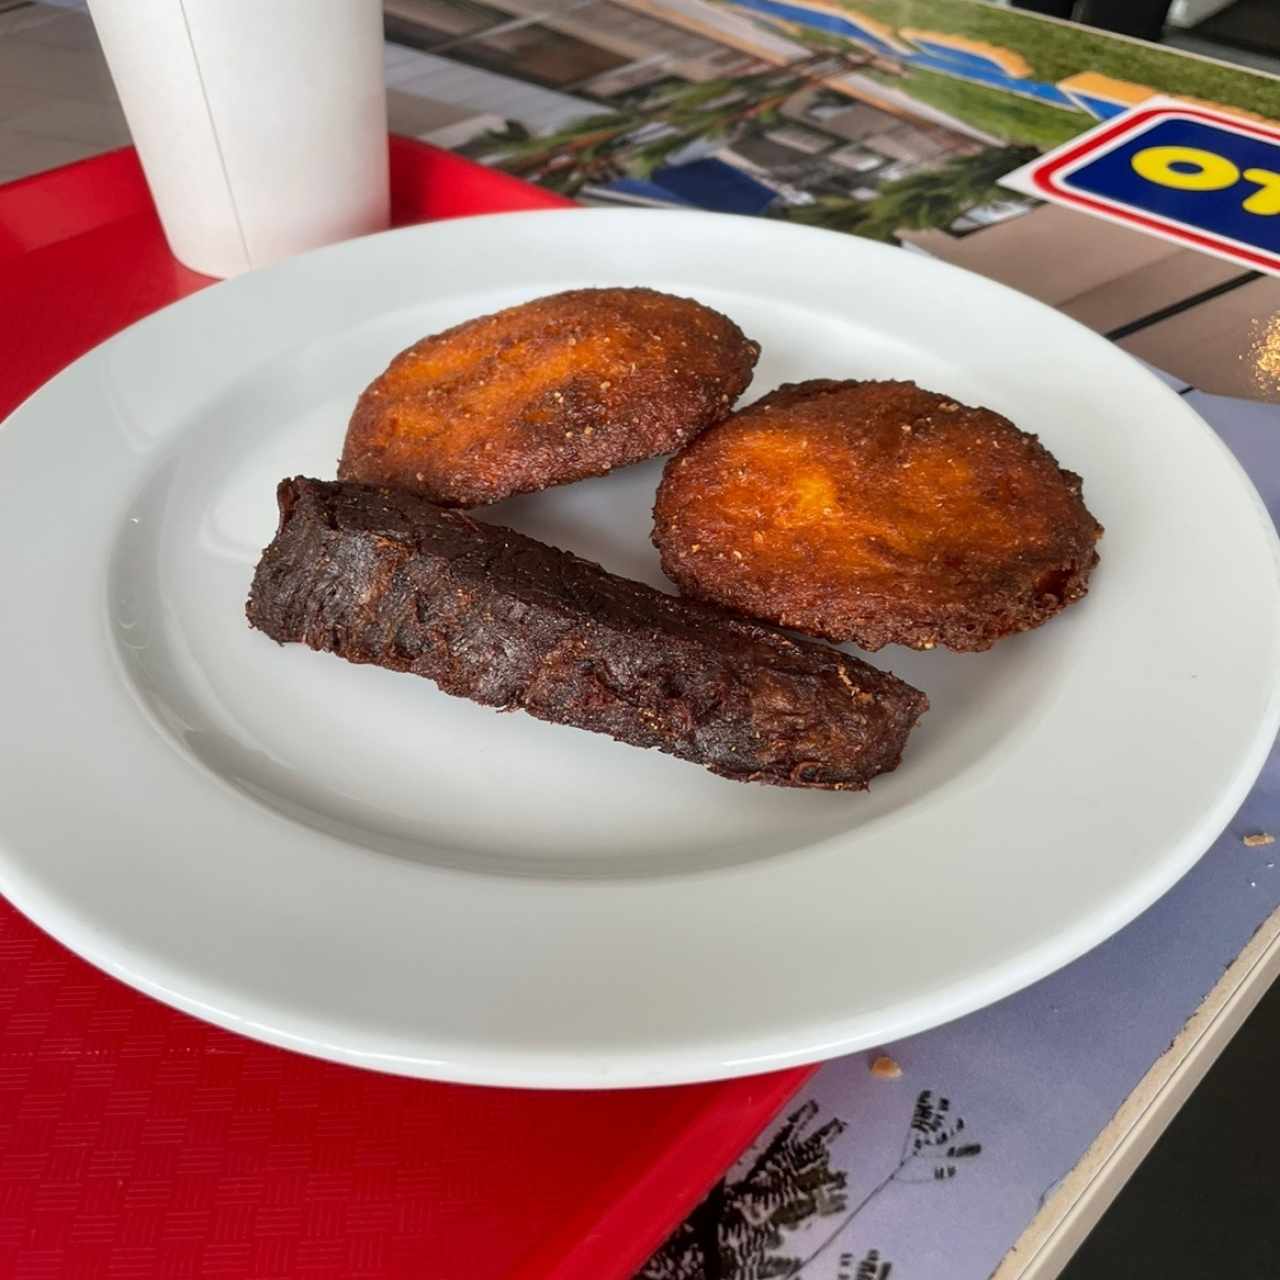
(382, 576)
(876, 512)
(554, 390)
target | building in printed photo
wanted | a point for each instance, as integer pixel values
(544, 67)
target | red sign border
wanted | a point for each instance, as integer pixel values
(1042, 177)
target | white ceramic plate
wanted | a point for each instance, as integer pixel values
(346, 861)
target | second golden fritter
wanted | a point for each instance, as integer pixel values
(554, 390)
(876, 512)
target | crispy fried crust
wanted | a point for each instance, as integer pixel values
(564, 387)
(876, 512)
(381, 576)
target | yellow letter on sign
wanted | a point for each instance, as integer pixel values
(1205, 171)
(1268, 199)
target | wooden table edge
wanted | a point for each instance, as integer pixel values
(1075, 1205)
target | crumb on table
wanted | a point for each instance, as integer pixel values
(885, 1067)
(1258, 839)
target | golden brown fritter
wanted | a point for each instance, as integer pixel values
(876, 512)
(564, 387)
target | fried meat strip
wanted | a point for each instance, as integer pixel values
(382, 576)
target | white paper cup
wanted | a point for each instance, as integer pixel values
(261, 124)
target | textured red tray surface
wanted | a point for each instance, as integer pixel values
(137, 1141)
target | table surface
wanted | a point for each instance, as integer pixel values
(1062, 1087)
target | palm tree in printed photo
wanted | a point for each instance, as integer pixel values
(646, 130)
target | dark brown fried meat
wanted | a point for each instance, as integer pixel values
(876, 512)
(382, 576)
(554, 390)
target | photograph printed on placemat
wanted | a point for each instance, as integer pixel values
(785, 1209)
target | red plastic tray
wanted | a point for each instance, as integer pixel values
(137, 1141)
